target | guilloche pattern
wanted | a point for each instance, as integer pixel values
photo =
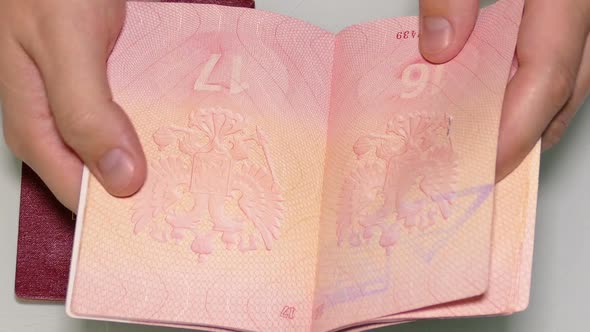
(417, 146)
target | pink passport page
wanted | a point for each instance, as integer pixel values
(306, 181)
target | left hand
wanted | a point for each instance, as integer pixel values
(553, 78)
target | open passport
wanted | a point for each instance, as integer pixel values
(305, 181)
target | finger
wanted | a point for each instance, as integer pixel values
(445, 26)
(29, 129)
(549, 58)
(560, 123)
(43, 150)
(72, 61)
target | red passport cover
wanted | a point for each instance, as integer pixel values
(46, 228)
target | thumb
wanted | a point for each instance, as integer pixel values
(445, 26)
(74, 71)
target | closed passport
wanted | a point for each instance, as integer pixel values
(46, 227)
(46, 232)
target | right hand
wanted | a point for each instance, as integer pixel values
(58, 112)
(553, 77)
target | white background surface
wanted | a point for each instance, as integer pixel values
(560, 295)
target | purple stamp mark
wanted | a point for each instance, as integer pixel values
(346, 290)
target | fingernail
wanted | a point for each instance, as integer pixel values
(436, 34)
(116, 168)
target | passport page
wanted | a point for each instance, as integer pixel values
(231, 106)
(515, 203)
(408, 192)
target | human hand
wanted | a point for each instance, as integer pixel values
(58, 112)
(553, 78)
